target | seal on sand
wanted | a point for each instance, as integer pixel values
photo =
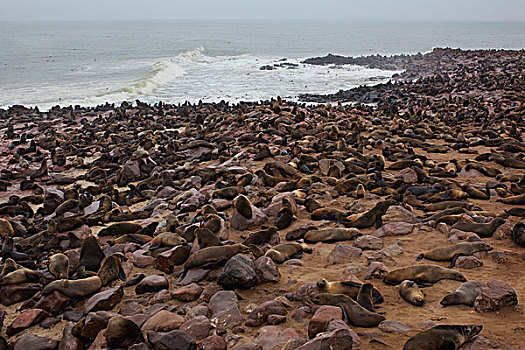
(331, 235)
(422, 274)
(411, 293)
(242, 205)
(90, 255)
(282, 252)
(482, 230)
(352, 311)
(370, 217)
(211, 255)
(111, 268)
(442, 337)
(465, 294)
(350, 288)
(518, 234)
(364, 297)
(453, 252)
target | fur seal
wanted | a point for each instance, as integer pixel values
(466, 294)
(482, 230)
(442, 337)
(364, 297)
(121, 332)
(206, 238)
(350, 288)
(447, 205)
(111, 268)
(242, 205)
(8, 251)
(90, 255)
(167, 239)
(74, 288)
(298, 233)
(422, 274)
(59, 266)
(518, 234)
(285, 215)
(370, 217)
(519, 199)
(353, 312)
(331, 235)
(411, 293)
(9, 266)
(329, 214)
(120, 228)
(6, 229)
(451, 253)
(20, 276)
(212, 255)
(282, 252)
(262, 237)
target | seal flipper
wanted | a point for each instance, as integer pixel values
(453, 262)
(379, 222)
(121, 273)
(420, 257)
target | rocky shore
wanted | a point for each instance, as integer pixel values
(274, 225)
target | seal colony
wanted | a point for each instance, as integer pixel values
(227, 225)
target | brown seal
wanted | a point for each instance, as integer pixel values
(451, 253)
(215, 254)
(9, 266)
(167, 239)
(242, 205)
(285, 215)
(206, 238)
(519, 199)
(350, 288)
(20, 276)
(6, 229)
(331, 235)
(422, 274)
(74, 288)
(446, 205)
(482, 230)
(353, 312)
(442, 337)
(518, 234)
(466, 294)
(263, 236)
(59, 266)
(121, 332)
(329, 214)
(111, 268)
(282, 252)
(365, 298)
(90, 255)
(411, 293)
(370, 217)
(120, 228)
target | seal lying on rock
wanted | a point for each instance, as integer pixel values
(352, 311)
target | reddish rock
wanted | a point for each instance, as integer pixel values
(69, 341)
(175, 339)
(53, 303)
(482, 343)
(397, 213)
(340, 324)
(224, 309)
(376, 270)
(304, 293)
(494, 296)
(100, 342)
(161, 297)
(368, 242)
(267, 270)
(213, 342)
(240, 223)
(163, 321)
(105, 300)
(275, 319)
(33, 342)
(26, 319)
(153, 283)
(88, 328)
(130, 309)
(468, 262)
(274, 337)
(15, 293)
(340, 339)
(343, 253)
(408, 175)
(391, 326)
(260, 315)
(394, 229)
(141, 260)
(322, 317)
(503, 231)
(198, 327)
(167, 260)
(195, 274)
(190, 292)
(239, 272)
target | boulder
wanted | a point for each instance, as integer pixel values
(175, 256)
(26, 319)
(391, 326)
(33, 342)
(163, 321)
(213, 342)
(53, 303)
(274, 337)
(15, 293)
(260, 314)
(198, 327)
(340, 339)
(224, 309)
(322, 317)
(175, 339)
(394, 229)
(267, 270)
(495, 295)
(239, 272)
(69, 341)
(343, 253)
(240, 223)
(468, 262)
(105, 300)
(187, 293)
(153, 283)
(368, 242)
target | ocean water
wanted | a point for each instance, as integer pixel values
(89, 63)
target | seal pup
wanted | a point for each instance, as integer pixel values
(263, 236)
(111, 268)
(285, 215)
(352, 311)
(350, 288)
(422, 274)
(442, 337)
(466, 294)
(331, 235)
(59, 266)
(518, 234)
(167, 239)
(242, 205)
(370, 217)
(411, 293)
(282, 252)
(482, 230)
(451, 253)
(91, 255)
(213, 255)
(121, 332)
(364, 297)
(74, 288)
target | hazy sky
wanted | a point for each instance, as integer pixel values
(453, 10)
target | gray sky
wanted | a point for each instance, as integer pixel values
(440, 10)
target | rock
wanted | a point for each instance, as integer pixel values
(274, 337)
(443, 228)
(88, 328)
(26, 319)
(504, 231)
(105, 300)
(167, 260)
(408, 175)
(195, 274)
(340, 339)
(224, 309)
(397, 213)
(163, 321)
(394, 229)
(471, 173)
(267, 270)
(2, 316)
(15, 293)
(500, 256)
(468, 262)
(161, 297)
(33, 342)
(130, 172)
(376, 270)
(457, 236)
(322, 317)
(276, 204)
(198, 327)
(391, 326)
(305, 293)
(276, 319)
(260, 315)
(100, 341)
(130, 309)
(209, 290)
(53, 303)
(69, 341)
(368, 242)
(426, 324)
(340, 324)
(249, 346)
(353, 269)
(494, 296)
(343, 253)
(240, 223)
(153, 283)
(190, 292)
(139, 346)
(49, 322)
(239, 272)
(482, 343)
(213, 342)
(324, 165)
(134, 280)
(175, 339)
(141, 260)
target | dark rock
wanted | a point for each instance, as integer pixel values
(190, 292)
(340, 324)
(130, 309)
(266, 270)
(69, 341)
(224, 309)
(88, 328)
(122, 332)
(49, 322)
(198, 327)
(275, 319)
(73, 315)
(495, 295)
(482, 343)
(322, 317)
(26, 319)
(33, 342)
(239, 272)
(153, 283)
(105, 300)
(193, 275)
(175, 339)
(368, 242)
(15, 293)
(213, 342)
(167, 260)
(53, 303)
(260, 315)
(305, 293)
(135, 279)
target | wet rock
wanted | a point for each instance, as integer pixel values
(494, 296)
(224, 309)
(368, 242)
(175, 339)
(105, 300)
(213, 342)
(239, 272)
(198, 327)
(15, 293)
(26, 319)
(274, 337)
(267, 270)
(240, 223)
(376, 270)
(153, 283)
(261, 313)
(33, 342)
(175, 256)
(391, 326)
(69, 341)
(190, 292)
(394, 229)
(468, 262)
(322, 317)
(141, 260)
(53, 303)
(163, 321)
(397, 213)
(343, 253)
(340, 339)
